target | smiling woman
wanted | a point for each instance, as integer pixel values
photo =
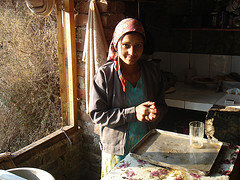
(130, 49)
(127, 96)
(30, 106)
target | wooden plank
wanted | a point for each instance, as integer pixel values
(74, 63)
(39, 146)
(67, 61)
(70, 53)
(61, 62)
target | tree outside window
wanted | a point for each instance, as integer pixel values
(30, 106)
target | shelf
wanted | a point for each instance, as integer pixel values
(206, 29)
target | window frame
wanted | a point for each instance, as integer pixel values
(68, 81)
(67, 60)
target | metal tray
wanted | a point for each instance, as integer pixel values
(172, 150)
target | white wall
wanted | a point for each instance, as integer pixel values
(203, 65)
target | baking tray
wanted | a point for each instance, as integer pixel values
(169, 149)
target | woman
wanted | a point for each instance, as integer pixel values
(128, 94)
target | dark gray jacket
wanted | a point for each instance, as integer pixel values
(108, 104)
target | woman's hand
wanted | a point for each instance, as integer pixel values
(147, 111)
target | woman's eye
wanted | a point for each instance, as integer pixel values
(139, 45)
(126, 45)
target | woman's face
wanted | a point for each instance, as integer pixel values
(130, 48)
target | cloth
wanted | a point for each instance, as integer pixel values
(108, 162)
(131, 168)
(109, 109)
(135, 96)
(123, 27)
(95, 48)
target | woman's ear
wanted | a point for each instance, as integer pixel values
(118, 43)
(116, 47)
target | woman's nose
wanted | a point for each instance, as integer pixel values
(131, 50)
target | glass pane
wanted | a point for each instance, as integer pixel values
(30, 106)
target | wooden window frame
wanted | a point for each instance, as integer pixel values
(67, 60)
(68, 81)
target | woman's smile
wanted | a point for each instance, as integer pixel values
(130, 48)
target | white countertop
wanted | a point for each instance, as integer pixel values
(196, 97)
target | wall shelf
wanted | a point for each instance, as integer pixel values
(205, 29)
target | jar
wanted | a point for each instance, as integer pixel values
(214, 19)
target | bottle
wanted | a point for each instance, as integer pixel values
(188, 75)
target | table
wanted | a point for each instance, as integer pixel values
(134, 169)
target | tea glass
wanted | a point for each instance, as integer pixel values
(196, 133)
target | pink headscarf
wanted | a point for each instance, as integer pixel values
(125, 26)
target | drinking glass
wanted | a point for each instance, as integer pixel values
(196, 133)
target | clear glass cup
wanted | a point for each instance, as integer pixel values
(196, 133)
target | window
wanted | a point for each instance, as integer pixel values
(36, 69)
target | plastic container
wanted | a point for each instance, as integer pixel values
(31, 173)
